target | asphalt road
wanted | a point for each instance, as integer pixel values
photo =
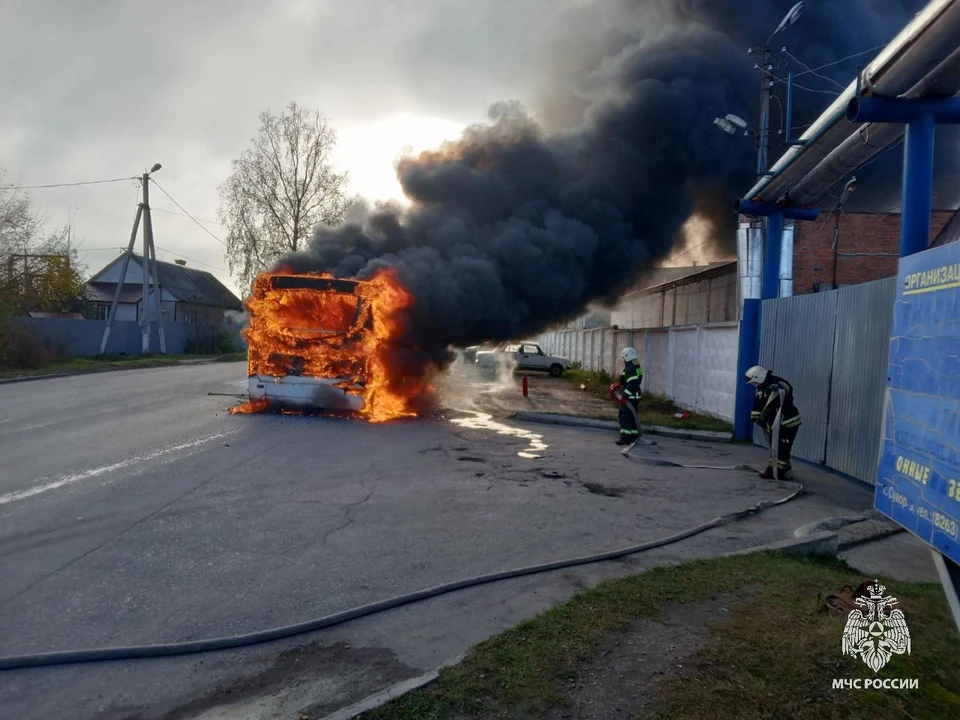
(134, 510)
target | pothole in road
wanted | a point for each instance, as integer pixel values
(606, 491)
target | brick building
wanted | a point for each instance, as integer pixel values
(867, 248)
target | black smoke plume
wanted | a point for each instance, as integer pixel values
(512, 229)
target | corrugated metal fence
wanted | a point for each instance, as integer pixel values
(833, 346)
(696, 365)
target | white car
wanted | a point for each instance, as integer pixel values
(527, 356)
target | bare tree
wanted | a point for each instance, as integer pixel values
(282, 186)
(39, 270)
(18, 223)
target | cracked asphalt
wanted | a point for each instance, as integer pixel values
(135, 510)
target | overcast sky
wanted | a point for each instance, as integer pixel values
(98, 90)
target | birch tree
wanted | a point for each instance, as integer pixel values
(281, 187)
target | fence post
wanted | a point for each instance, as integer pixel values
(697, 371)
(671, 365)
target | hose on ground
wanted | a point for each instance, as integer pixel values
(670, 463)
(68, 657)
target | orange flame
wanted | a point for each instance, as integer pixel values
(346, 333)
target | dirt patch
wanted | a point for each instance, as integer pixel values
(293, 681)
(622, 678)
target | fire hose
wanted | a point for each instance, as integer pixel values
(135, 652)
(617, 394)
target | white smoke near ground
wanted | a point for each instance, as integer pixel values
(237, 318)
(468, 385)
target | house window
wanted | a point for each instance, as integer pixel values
(103, 312)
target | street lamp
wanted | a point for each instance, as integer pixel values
(731, 123)
(789, 19)
(848, 189)
(156, 166)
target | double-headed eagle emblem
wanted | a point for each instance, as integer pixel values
(875, 634)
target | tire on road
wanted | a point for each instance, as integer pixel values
(556, 370)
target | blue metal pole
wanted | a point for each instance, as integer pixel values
(749, 356)
(789, 121)
(770, 284)
(917, 185)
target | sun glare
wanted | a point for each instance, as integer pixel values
(369, 152)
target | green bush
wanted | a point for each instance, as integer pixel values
(20, 349)
(225, 344)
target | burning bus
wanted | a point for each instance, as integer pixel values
(320, 343)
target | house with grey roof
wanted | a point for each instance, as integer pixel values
(187, 295)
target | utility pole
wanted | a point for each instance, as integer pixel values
(149, 254)
(766, 85)
(145, 266)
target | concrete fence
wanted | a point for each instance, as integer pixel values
(81, 338)
(695, 365)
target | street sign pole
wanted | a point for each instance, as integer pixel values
(950, 579)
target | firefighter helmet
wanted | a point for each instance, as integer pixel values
(629, 355)
(757, 374)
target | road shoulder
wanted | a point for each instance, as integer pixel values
(700, 640)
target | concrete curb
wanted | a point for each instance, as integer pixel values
(825, 543)
(819, 544)
(372, 702)
(879, 535)
(831, 524)
(97, 371)
(575, 421)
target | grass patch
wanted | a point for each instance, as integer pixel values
(654, 409)
(231, 357)
(86, 364)
(773, 656)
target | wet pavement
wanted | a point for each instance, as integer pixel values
(162, 518)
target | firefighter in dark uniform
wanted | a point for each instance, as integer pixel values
(629, 386)
(774, 411)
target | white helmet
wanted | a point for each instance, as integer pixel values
(757, 374)
(629, 355)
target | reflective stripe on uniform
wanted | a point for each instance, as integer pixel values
(629, 432)
(790, 422)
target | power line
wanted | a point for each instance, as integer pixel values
(69, 184)
(174, 212)
(199, 262)
(690, 250)
(811, 71)
(170, 197)
(780, 105)
(837, 62)
(810, 89)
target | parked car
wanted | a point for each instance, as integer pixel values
(527, 355)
